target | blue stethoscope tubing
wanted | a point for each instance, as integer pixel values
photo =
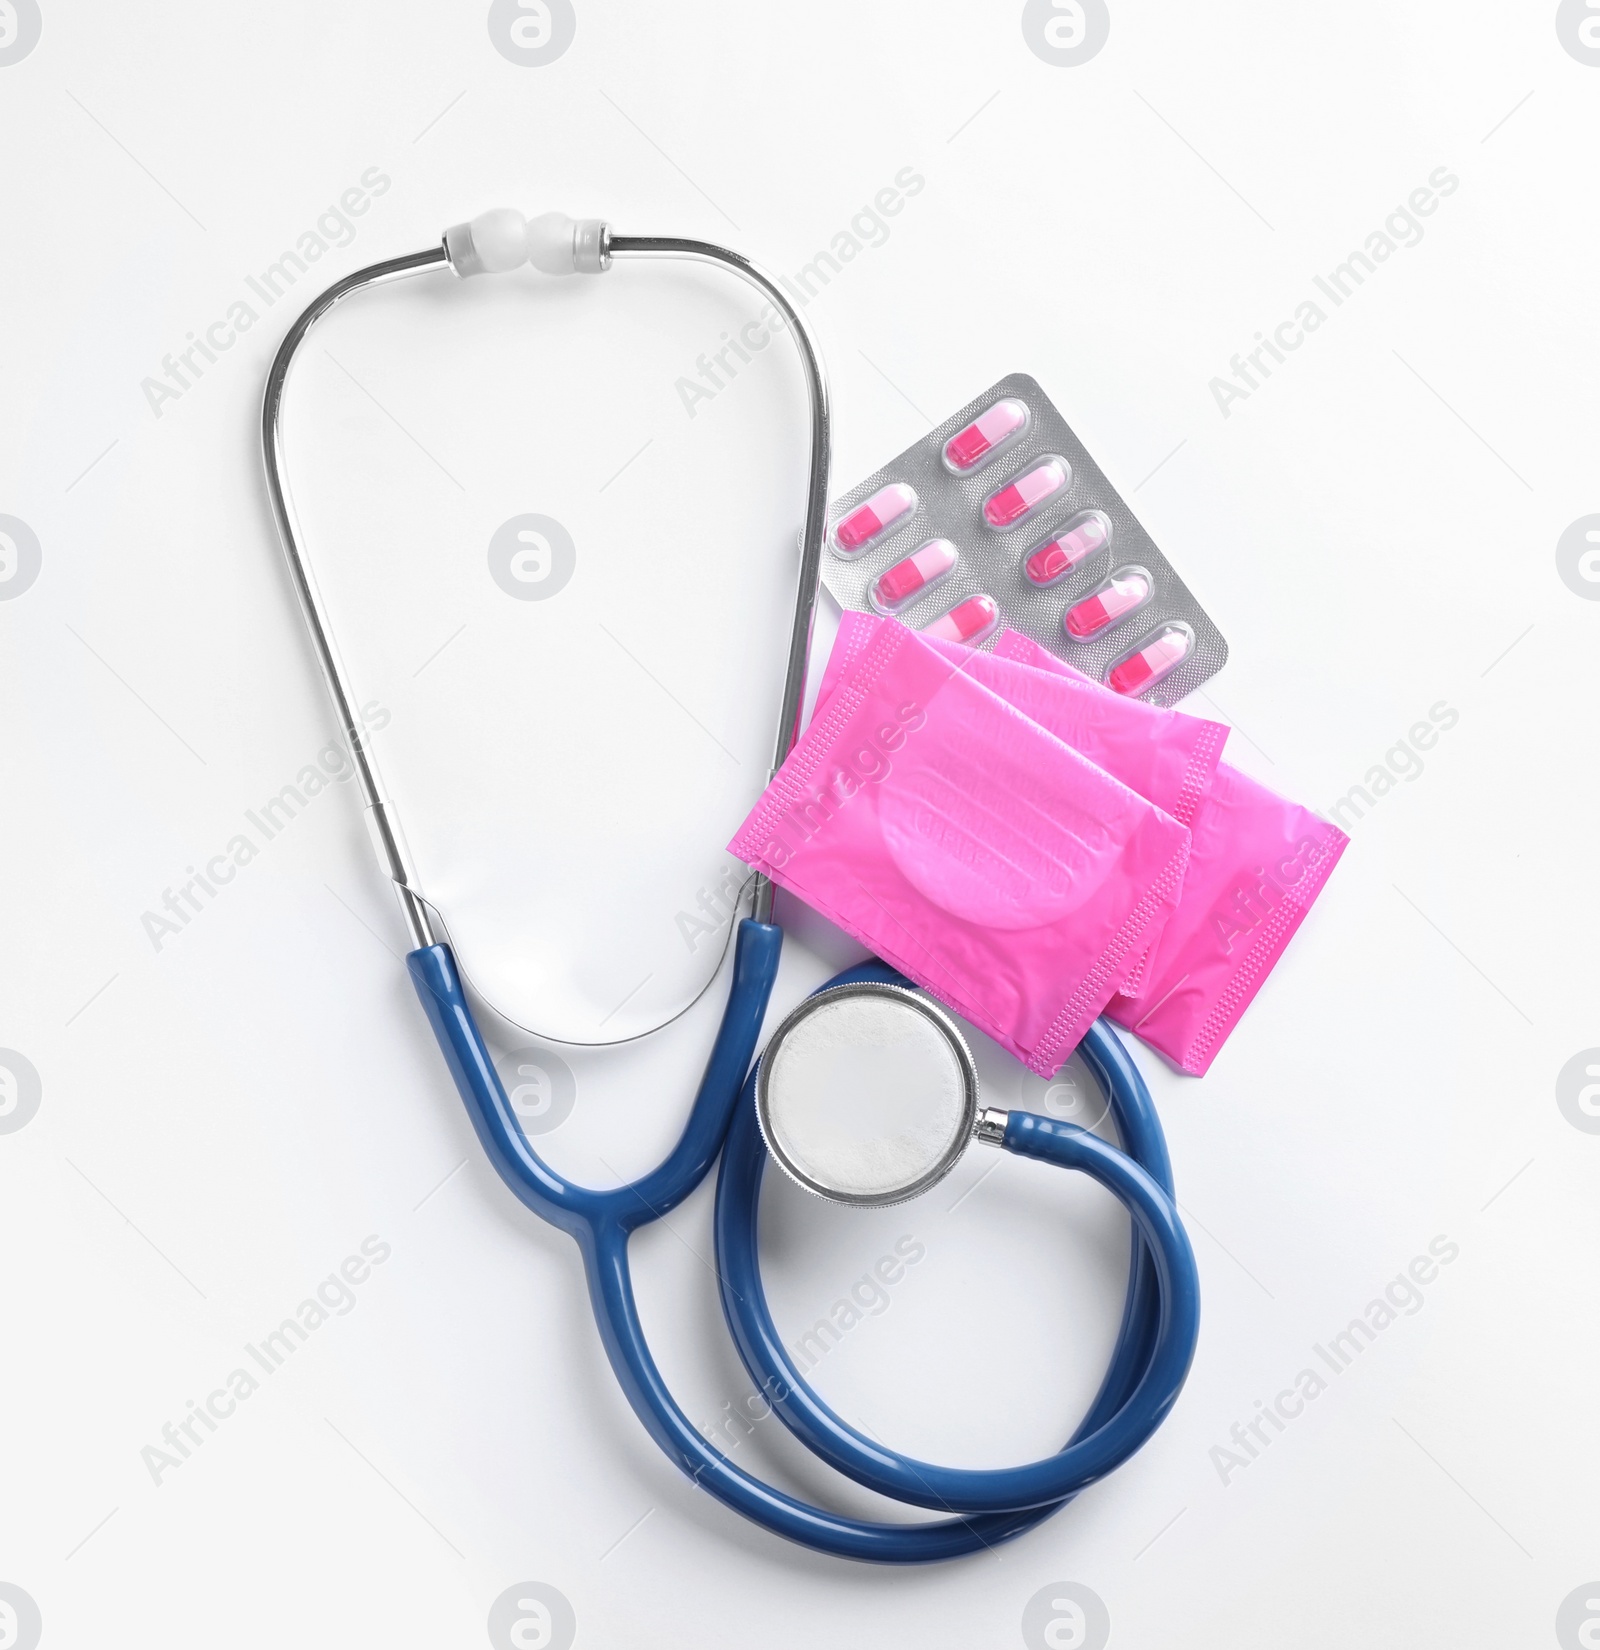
(1155, 1344)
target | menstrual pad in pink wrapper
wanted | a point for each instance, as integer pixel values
(991, 863)
(1167, 757)
(1257, 864)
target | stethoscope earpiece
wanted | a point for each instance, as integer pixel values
(501, 240)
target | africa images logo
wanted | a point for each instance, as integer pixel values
(20, 1092)
(20, 1625)
(20, 556)
(1065, 33)
(532, 33)
(1578, 30)
(540, 1086)
(867, 763)
(20, 28)
(1578, 1090)
(1577, 557)
(532, 557)
(533, 1615)
(1066, 1615)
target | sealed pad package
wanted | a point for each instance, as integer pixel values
(1001, 516)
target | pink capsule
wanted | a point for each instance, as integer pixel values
(1058, 556)
(874, 518)
(901, 584)
(1027, 493)
(1161, 654)
(967, 447)
(970, 621)
(1126, 589)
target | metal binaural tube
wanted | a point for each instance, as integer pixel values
(387, 840)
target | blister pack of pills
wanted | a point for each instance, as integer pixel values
(1000, 516)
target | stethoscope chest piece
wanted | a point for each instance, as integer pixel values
(867, 1094)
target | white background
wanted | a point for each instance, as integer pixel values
(224, 1119)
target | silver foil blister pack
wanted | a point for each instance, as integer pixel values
(1001, 517)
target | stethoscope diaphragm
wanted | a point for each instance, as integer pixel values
(867, 1094)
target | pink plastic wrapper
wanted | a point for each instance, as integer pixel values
(1164, 755)
(991, 863)
(1256, 865)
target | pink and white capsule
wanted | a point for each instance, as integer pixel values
(1058, 556)
(970, 622)
(912, 576)
(1027, 493)
(1126, 589)
(874, 517)
(1161, 654)
(969, 447)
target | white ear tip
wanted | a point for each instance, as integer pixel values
(559, 245)
(491, 244)
(550, 244)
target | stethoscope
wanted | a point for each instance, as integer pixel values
(742, 1111)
